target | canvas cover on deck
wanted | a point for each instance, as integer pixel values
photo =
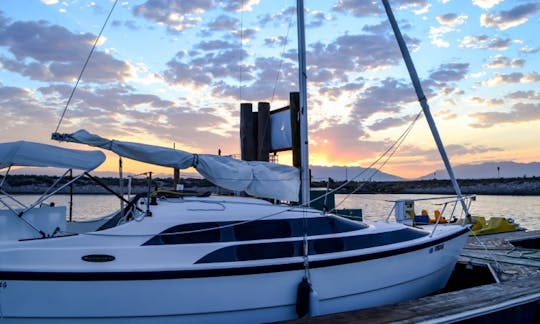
(261, 179)
(23, 153)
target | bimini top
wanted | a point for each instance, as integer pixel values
(261, 179)
(23, 153)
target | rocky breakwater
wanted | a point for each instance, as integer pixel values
(502, 186)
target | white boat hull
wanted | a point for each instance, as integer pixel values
(258, 294)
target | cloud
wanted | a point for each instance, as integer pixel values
(359, 8)
(52, 53)
(129, 24)
(530, 95)
(238, 5)
(529, 50)
(450, 72)
(362, 8)
(219, 59)
(486, 4)
(275, 41)
(389, 96)
(520, 113)
(500, 61)
(25, 111)
(341, 144)
(485, 42)
(335, 92)
(451, 19)
(511, 18)
(447, 114)
(421, 5)
(436, 35)
(390, 122)
(246, 34)
(317, 18)
(263, 82)
(357, 53)
(448, 22)
(119, 111)
(283, 17)
(488, 102)
(224, 22)
(49, 2)
(516, 77)
(176, 15)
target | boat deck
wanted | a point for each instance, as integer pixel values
(513, 295)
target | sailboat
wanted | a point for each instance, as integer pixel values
(175, 257)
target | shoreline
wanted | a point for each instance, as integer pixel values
(502, 186)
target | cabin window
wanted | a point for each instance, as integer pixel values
(261, 251)
(328, 225)
(260, 230)
(380, 239)
(255, 230)
(265, 251)
(329, 245)
(188, 233)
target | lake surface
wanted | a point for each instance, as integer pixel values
(525, 210)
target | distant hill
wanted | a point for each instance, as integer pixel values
(112, 174)
(340, 173)
(489, 170)
(486, 170)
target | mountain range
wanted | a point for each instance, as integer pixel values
(487, 170)
(340, 173)
(504, 169)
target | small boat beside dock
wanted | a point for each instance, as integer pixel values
(513, 259)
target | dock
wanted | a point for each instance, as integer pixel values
(506, 270)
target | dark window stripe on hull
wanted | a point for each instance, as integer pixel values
(179, 274)
(254, 230)
(274, 250)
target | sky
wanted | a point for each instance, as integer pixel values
(174, 72)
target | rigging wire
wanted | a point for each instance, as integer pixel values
(285, 42)
(84, 66)
(392, 149)
(241, 49)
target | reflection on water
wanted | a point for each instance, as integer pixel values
(525, 210)
(84, 206)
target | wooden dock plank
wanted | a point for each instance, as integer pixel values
(443, 308)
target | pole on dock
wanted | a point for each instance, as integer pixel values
(263, 131)
(248, 134)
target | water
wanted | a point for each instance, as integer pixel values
(525, 210)
(84, 206)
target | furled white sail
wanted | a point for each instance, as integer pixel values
(23, 153)
(261, 179)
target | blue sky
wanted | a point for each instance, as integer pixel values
(175, 71)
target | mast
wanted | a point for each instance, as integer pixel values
(423, 103)
(302, 83)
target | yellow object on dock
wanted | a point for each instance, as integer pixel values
(493, 225)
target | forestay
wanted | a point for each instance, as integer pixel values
(261, 179)
(23, 153)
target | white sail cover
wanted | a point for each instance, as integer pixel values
(23, 153)
(261, 179)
